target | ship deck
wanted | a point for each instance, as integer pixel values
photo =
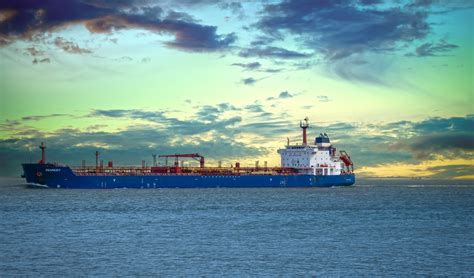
(170, 170)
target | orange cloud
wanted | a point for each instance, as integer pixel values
(424, 169)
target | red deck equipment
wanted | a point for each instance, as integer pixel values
(347, 160)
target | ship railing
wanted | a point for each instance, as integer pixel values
(184, 171)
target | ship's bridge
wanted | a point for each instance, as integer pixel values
(322, 141)
(317, 159)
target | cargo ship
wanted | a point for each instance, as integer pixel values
(302, 165)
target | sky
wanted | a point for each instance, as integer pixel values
(390, 82)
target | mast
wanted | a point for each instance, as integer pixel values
(304, 125)
(42, 147)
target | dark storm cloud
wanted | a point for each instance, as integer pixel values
(433, 49)
(448, 137)
(341, 28)
(427, 146)
(27, 18)
(272, 52)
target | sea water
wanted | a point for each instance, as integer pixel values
(371, 229)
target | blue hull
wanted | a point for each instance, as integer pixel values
(51, 176)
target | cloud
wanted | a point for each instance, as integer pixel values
(446, 144)
(323, 98)
(249, 81)
(31, 18)
(205, 120)
(33, 51)
(255, 108)
(256, 66)
(438, 124)
(421, 3)
(209, 132)
(433, 49)
(124, 59)
(272, 70)
(208, 113)
(212, 130)
(282, 95)
(272, 52)
(41, 61)
(235, 7)
(452, 171)
(126, 147)
(42, 117)
(248, 66)
(198, 38)
(70, 47)
(356, 69)
(339, 29)
(285, 94)
(225, 106)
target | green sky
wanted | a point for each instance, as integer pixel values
(390, 82)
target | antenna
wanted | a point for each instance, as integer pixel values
(97, 161)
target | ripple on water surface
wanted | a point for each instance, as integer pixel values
(361, 230)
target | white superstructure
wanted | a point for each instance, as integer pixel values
(318, 159)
